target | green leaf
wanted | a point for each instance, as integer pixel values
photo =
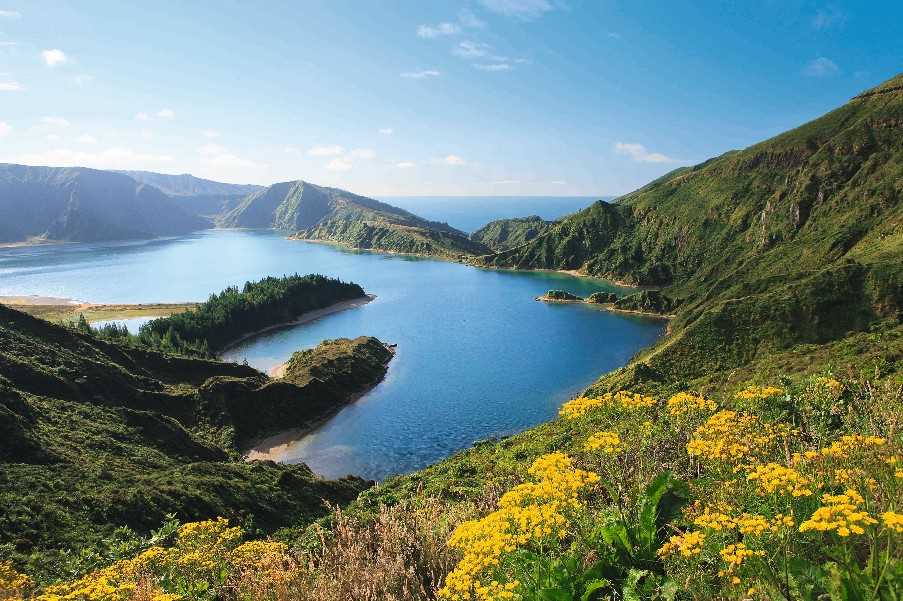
(648, 514)
(593, 586)
(630, 591)
(555, 594)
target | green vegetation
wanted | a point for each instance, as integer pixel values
(504, 234)
(95, 436)
(351, 365)
(233, 313)
(646, 301)
(602, 297)
(560, 295)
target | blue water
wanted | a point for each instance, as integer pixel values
(477, 355)
(470, 213)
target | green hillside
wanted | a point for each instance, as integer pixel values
(94, 436)
(504, 234)
(328, 214)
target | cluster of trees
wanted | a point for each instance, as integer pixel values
(234, 313)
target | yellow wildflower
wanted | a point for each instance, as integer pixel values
(893, 521)
(12, 582)
(684, 403)
(606, 442)
(687, 544)
(775, 478)
(730, 437)
(841, 513)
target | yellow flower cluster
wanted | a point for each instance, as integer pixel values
(775, 478)
(893, 521)
(529, 512)
(684, 403)
(841, 513)
(730, 437)
(114, 583)
(687, 544)
(734, 555)
(852, 443)
(747, 523)
(606, 442)
(577, 407)
(756, 393)
(13, 583)
(626, 400)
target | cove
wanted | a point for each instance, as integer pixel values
(477, 356)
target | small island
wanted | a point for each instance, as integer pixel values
(644, 302)
(321, 380)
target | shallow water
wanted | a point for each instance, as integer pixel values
(477, 356)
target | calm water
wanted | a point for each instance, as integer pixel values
(477, 356)
(470, 213)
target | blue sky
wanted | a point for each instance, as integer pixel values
(506, 97)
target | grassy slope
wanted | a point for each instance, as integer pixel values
(504, 234)
(94, 435)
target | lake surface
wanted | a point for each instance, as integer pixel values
(477, 356)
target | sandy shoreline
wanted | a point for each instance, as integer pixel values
(305, 318)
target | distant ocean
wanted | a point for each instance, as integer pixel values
(470, 213)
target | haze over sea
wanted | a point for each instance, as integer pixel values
(477, 356)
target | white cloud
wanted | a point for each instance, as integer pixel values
(112, 158)
(386, 131)
(405, 164)
(559, 182)
(827, 18)
(9, 14)
(52, 137)
(453, 159)
(146, 134)
(521, 9)
(142, 116)
(166, 114)
(468, 19)
(326, 151)
(291, 150)
(55, 121)
(494, 67)
(11, 86)
(338, 165)
(469, 49)
(210, 133)
(5, 128)
(219, 160)
(54, 57)
(363, 153)
(86, 139)
(641, 154)
(614, 35)
(820, 67)
(8, 44)
(435, 31)
(231, 161)
(421, 74)
(506, 182)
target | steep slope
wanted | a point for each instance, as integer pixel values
(505, 234)
(795, 239)
(329, 214)
(95, 435)
(194, 194)
(85, 205)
